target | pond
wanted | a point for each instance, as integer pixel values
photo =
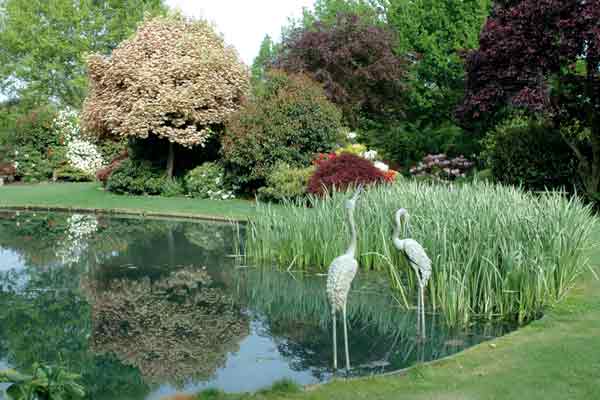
(142, 308)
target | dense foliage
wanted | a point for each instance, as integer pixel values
(340, 172)
(136, 177)
(43, 43)
(435, 32)
(529, 152)
(408, 141)
(208, 182)
(175, 79)
(36, 150)
(285, 183)
(353, 60)
(289, 122)
(543, 55)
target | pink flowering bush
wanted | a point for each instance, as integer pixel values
(438, 167)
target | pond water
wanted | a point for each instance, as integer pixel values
(142, 308)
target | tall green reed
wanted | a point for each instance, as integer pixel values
(497, 252)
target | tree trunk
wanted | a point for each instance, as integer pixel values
(171, 160)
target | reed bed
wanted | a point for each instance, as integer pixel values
(497, 252)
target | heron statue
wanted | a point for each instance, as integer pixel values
(342, 271)
(417, 259)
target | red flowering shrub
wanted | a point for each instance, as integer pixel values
(342, 171)
(103, 174)
(321, 157)
(390, 175)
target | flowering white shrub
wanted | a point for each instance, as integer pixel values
(81, 227)
(383, 167)
(370, 155)
(81, 153)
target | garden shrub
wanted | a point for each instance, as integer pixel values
(285, 183)
(343, 171)
(439, 167)
(37, 148)
(136, 177)
(289, 122)
(103, 174)
(208, 182)
(407, 142)
(68, 173)
(528, 151)
(173, 187)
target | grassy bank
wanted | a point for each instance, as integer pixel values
(91, 196)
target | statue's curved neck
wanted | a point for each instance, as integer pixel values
(397, 228)
(352, 248)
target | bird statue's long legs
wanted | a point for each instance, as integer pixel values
(334, 340)
(418, 261)
(422, 290)
(340, 275)
(346, 339)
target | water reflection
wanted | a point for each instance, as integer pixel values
(142, 308)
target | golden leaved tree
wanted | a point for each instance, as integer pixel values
(175, 78)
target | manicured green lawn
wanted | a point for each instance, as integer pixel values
(557, 357)
(91, 196)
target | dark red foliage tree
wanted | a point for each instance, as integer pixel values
(342, 171)
(353, 60)
(543, 55)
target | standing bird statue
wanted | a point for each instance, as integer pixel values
(417, 259)
(342, 271)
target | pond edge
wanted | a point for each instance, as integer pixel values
(126, 212)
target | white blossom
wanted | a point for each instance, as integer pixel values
(370, 155)
(351, 135)
(81, 153)
(383, 167)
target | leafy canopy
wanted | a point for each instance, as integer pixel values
(353, 60)
(542, 55)
(175, 79)
(43, 43)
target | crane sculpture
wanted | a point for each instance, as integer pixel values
(417, 259)
(340, 275)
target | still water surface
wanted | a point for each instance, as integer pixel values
(142, 308)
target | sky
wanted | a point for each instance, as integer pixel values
(244, 23)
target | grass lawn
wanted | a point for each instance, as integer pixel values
(92, 196)
(557, 357)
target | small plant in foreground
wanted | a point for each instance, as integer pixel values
(46, 383)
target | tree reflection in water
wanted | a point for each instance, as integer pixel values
(173, 329)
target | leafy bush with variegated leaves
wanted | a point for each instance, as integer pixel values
(208, 182)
